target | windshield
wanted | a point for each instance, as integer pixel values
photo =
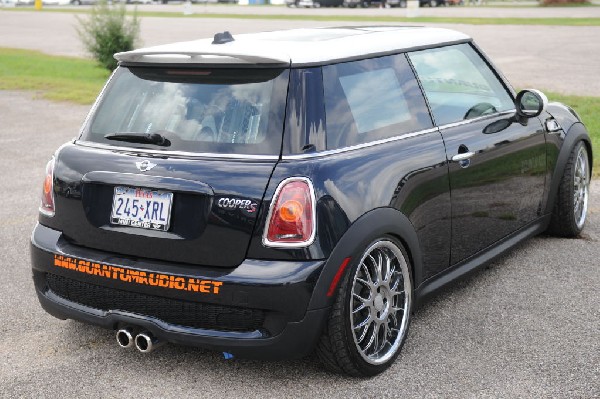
(204, 110)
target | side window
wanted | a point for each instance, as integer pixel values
(371, 100)
(459, 84)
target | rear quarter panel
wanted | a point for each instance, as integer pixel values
(409, 175)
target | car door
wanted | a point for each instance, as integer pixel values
(496, 164)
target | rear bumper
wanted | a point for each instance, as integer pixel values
(278, 291)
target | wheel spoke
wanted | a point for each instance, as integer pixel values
(397, 309)
(367, 273)
(363, 323)
(359, 308)
(375, 339)
(371, 340)
(378, 267)
(375, 275)
(364, 282)
(360, 298)
(386, 331)
(394, 287)
(388, 270)
(364, 334)
(394, 318)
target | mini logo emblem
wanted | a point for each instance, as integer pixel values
(145, 165)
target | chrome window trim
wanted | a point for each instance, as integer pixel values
(479, 118)
(183, 154)
(302, 244)
(358, 146)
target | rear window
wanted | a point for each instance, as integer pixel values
(224, 111)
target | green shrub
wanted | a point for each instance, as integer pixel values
(107, 31)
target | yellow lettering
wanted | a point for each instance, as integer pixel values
(163, 281)
(105, 272)
(205, 286)
(193, 285)
(152, 279)
(115, 272)
(138, 277)
(216, 285)
(142, 279)
(125, 276)
(84, 267)
(177, 283)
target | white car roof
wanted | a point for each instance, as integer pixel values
(297, 47)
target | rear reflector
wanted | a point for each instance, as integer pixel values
(47, 203)
(291, 219)
(337, 277)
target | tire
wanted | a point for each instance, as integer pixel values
(570, 207)
(371, 314)
(433, 3)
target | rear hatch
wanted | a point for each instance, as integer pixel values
(172, 163)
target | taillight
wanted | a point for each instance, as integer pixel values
(47, 205)
(291, 219)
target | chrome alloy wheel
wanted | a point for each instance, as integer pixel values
(581, 187)
(380, 302)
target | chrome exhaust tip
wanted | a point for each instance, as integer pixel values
(145, 342)
(124, 338)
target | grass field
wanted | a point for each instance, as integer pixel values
(56, 78)
(79, 81)
(351, 18)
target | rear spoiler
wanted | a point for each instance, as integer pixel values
(216, 55)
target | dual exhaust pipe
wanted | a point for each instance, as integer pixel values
(144, 341)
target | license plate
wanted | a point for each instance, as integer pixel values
(139, 207)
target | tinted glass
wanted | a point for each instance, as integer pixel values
(371, 100)
(459, 84)
(215, 110)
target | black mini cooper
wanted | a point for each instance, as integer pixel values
(266, 195)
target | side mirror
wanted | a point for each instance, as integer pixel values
(530, 103)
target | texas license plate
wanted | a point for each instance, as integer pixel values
(140, 207)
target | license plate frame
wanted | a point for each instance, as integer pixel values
(141, 208)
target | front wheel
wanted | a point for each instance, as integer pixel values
(371, 314)
(570, 207)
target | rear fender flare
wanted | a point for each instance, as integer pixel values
(376, 223)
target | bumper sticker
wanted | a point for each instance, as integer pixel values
(138, 277)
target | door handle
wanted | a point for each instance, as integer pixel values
(462, 156)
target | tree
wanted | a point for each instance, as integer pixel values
(107, 31)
